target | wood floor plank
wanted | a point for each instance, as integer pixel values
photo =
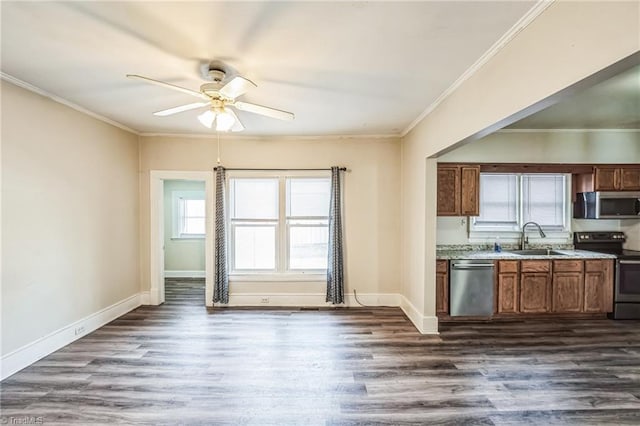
(181, 363)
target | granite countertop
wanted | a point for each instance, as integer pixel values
(447, 254)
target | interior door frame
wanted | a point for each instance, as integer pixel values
(156, 221)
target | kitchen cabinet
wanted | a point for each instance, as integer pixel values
(542, 287)
(630, 179)
(608, 178)
(598, 286)
(535, 286)
(470, 190)
(568, 286)
(442, 287)
(507, 287)
(458, 190)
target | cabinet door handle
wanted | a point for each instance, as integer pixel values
(471, 266)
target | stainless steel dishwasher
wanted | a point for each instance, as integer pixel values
(471, 288)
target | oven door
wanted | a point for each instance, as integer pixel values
(627, 280)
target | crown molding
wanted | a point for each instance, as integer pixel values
(236, 136)
(522, 23)
(567, 131)
(30, 87)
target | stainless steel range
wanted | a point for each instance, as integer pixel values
(626, 296)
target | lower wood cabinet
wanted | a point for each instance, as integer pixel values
(598, 285)
(558, 286)
(442, 287)
(535, 286)
(568, 286)
(507, 292)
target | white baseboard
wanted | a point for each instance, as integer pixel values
(145, 298)
(424, 324)
(32, 352)
(184, 274)
(309, 299)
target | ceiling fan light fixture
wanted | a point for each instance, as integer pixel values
(207, 118)
(224, 121)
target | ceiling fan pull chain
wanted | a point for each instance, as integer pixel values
(218, 134)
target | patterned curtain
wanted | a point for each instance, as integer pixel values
(221, 279)
(335, 277)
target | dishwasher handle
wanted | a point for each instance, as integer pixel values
(472, 265)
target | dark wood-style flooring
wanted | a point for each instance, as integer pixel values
(181, 364)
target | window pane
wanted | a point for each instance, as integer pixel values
(254, 198)
(255, 247)
(543, 199)
(308, 196)
(194, 208)
(194, 225)
(308, 247)
(498, 200)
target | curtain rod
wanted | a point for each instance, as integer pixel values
(342, 169)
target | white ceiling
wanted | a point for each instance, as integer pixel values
(612, 104)
(344, 68)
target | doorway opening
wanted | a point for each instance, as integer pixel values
(184, 204)
(181, 238)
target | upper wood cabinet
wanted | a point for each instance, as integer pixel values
(458, 190)
(448, 191)
(470, 191)
(609, 178)
(630, 179)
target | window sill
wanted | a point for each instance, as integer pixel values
(278, 277)
(193, 237)
(553, 237)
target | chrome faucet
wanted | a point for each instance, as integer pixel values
(524, 239)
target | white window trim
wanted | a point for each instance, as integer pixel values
(176, 216)
(282, 237)
(488, 234)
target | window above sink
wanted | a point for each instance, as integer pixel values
(509, 200)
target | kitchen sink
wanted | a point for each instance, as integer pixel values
(537, 252)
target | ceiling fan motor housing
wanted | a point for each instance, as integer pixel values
(216, 75)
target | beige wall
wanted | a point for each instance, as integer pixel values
(371, 191)
(545, 147)
(69, 216)
(181, 254)
(551, 147)
(542, 59)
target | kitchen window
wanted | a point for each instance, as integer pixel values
(188, 214)
(508, 201)
(278, 224)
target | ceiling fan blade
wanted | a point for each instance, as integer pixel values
(263, 110)
(169, 86)
(180, 108)
(236, 87)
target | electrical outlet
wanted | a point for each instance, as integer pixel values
(264, 300)
(79, 330)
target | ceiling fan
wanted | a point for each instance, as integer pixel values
(218, 96)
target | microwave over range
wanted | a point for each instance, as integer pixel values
(607, 205)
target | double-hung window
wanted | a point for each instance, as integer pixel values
(188, 214)
(508, 201)
(278, 224)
